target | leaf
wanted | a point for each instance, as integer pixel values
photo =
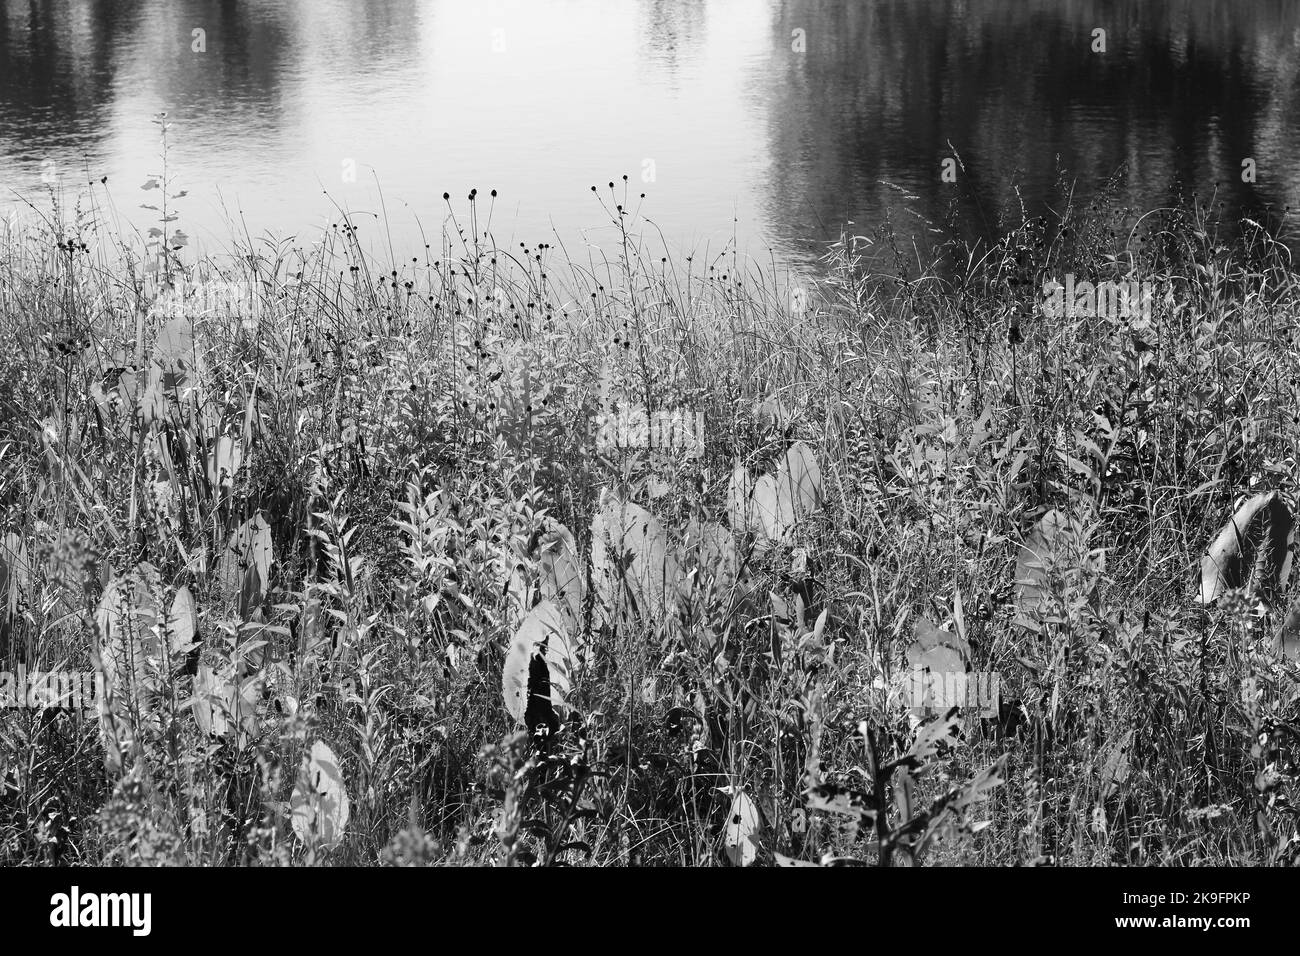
(799, 485)
(819, 626)
(711, 549)
(981, 786)
(930, 736)
(740, 508)
(127, 625)
(560, 573)
(773, 505)
(15, 574)
(249, 546)
(631, 569)
(215, 698)
(174, 369)
(765, 510)
(518, 593)
(743, 828)
(1115, 767)
(319, 805)
(712, 572)
(1051, 537)
(542, 635)
(773, 415)
(224, 459)
(312, 636)
(182, 622)
(1287, 642)
(223, 702)
(842, 801)
(250, 593)
(174, 345)
(943, 652)
(1253, 550)
(129, 648)
(259, 546)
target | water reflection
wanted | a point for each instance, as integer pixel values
(56, 71)
(705, 104)
(1184, 92)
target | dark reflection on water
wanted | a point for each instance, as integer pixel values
(1184, 92)
(702, 103)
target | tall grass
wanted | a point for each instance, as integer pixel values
(410, 430)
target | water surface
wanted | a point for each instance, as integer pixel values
(298, 108)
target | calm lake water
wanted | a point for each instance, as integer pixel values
(298, 107)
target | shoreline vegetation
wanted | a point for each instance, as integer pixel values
(374, 565)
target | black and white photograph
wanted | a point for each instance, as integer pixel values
(650, 434)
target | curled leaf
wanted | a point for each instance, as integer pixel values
(1253, 550)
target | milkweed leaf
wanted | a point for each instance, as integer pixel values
(744, 824)
(319, 805)
(633, 573)
(542, 636)
(1254, 549)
